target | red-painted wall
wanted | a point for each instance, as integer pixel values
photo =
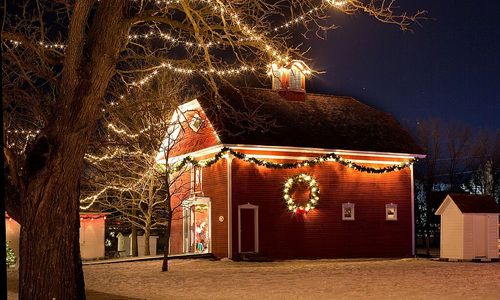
(189, 140)
(322, 232)
(214, 185)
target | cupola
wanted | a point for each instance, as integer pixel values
(290, 79)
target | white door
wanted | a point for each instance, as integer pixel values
(479, 230)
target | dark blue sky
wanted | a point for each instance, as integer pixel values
(449, 68)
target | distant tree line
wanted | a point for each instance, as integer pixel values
(460, 159)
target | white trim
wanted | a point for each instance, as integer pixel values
(255, 225)
(322, 150)
(229, 208)
(443, 205)
(412, 211)
(191, 105)
(217, 148)
(309, 157)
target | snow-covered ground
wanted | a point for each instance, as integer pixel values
(298, 279)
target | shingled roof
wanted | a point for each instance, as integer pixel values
(321, 121)
(475, 203)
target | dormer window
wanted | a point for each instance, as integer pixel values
(290, 76)
(296, 79)
(196, 122)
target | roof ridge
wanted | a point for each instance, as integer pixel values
(307, 93)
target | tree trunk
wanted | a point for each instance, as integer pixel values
(133, 242)
(147, 234)
(166, 248)
(50, 264)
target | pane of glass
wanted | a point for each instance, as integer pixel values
(202, 234)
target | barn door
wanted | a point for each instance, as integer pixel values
(479, 231)
(248, 229)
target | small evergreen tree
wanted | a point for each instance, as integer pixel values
(11, 256)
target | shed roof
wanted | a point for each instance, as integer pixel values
(321, 121)
(473, 204)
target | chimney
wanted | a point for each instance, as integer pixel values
(290, 79)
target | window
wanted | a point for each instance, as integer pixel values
(348, 211)
(196, 122)
(295, 79)
(276, 80)
(196, 180)
(391, 212)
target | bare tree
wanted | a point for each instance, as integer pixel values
(126, 172)
(64, 62)
(485, 169)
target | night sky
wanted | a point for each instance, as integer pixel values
(449, 68)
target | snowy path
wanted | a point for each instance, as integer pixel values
(300, 279)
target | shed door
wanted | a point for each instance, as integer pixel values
(479, 230)
(247, 230)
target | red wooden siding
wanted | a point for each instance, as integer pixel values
(180, 191)
(322, 232)
(215, 187)
(189, 140)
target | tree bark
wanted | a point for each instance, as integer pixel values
(166, 248)
(50, 263)
(147, 234)
(133, 241)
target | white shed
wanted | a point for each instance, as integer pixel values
(469, 227)
(92, 227)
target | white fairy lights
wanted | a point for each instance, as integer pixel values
(188, 71)
(313, 196)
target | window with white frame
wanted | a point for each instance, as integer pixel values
(347, 211)
(295, 79)
(196, 180)
(391, 212)
(196, 122)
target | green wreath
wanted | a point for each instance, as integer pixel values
(313, 196)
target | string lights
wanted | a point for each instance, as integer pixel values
(224, 152)
(313, 196)
(92, 218)
(93, 198)
(188, 71)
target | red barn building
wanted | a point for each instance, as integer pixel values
(289, 174)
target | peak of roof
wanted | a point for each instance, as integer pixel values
(321, 121)
(475, 203)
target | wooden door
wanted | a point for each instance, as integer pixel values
(247, 230)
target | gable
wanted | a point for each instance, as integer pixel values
(189, 131)
(448, 207)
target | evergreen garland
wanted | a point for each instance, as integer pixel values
(288, 165)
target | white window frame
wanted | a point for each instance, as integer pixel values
(391, 206)
(195, 179)
(195, 117)
(255, 224)
(295, 79)
(186, 204)
(351, 206)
